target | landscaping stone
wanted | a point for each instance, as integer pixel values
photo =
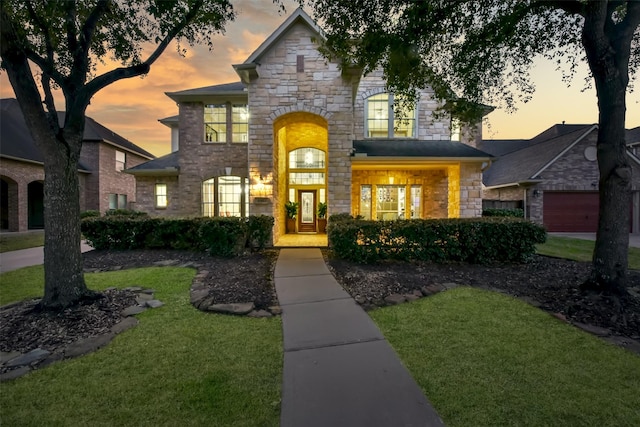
(595, 330)
(144, 296)
(154, 303)
(411, 297)
(124, 324)
(238, 308)
(394, 299)
(418, 293)
(133, 289)
(434, 289)
(27, 359)
(49, 360)
(360, 299)
(148, 291)
(13, 374)
(88, 345)
(425, 291)
(450, 285)
(560, 316)
(198, 295)
(259, 313)
(166, 262)
(7, 356)
(275, 310)
(133, 310)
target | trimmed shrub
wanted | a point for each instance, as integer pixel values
(89, 214)
(218, 236)
(515, 212)
(481, 240)
(126, 213)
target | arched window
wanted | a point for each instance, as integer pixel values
(382, 121)
(306, 158)
(225, 196)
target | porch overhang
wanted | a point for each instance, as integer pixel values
(154, 172)
(524, 184)
(410, 163)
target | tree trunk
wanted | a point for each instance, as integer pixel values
(608, 66)
(64, 279)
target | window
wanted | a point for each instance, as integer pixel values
(390, 202)
(240, 123)
(117, 201)
(416, 201)
(226, 122)
(383, 122)
(306, 158)
(225, 196)
(455, 129)
(161, 196)
(121, 159)
(365, 201)
(215, 123)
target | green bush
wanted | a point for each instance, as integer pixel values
(478, 240)
(126, 213)
(217, 236)
(89, 214)
(515, 212)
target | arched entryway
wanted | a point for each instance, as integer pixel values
(300, 169)
(35, 206)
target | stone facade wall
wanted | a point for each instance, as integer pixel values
(470, 190)
(200, 161)
(280, 90)
(428, 127)
(434, 185)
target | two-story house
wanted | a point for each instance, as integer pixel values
(301, 127)
(103, 158)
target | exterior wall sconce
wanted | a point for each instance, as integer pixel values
(536, 193)
(227, 170)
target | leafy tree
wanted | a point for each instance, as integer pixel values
(65, 40)
(483, 51)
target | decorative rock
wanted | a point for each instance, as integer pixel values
(124, 324)
(595, 330)
(26, 359)
(394, 299)
(144, 297)
(204, 303)
(259, 313)
(360, 299)
(166, 262)
(559, 316)
(49, 360)
(425, 291)
(148, 291)
(154, 303)
(449, 285)
(88, 345)
(133, 289)
(434, 289)
(133, 310)
(198, 295)
(238, 308)
(628, 343)
(13, 374)
(7, 356)
(418, 293)
(275, 310)
(411, 297)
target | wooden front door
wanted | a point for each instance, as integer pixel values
(307, 214)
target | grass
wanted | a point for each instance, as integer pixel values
(179, 366)
(16, 241)
(485, 359)
(579, 250)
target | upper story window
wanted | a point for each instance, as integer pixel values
(215, 123)
(455, 129)
(226, 122)
(306, 158)
(382, 121)
(121, 160)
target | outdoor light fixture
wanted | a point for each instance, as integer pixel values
(227, 170)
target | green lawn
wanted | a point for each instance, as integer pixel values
(15, 241)
(178, 367)
(579, 250)
(485, 359)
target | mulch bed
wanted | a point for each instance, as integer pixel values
(552, 284)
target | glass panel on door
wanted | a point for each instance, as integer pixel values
(306, 208)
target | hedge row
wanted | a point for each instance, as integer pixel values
(478, 240)
(217, 236)
(515, 212)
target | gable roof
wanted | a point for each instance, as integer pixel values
(298, 16)
(16, 141)
(525, 165)
(234, 89)
(559, 129)
(405, 148)
(167, 165)
(500, 147)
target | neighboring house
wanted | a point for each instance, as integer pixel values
(301, 127)
(554, 177)
(103, 185)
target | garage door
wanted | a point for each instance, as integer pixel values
(571, 211)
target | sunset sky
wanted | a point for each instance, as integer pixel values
(132, 107)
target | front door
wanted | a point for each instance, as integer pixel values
(307, 216)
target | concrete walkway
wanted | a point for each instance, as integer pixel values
(338, 368)
(26, 257)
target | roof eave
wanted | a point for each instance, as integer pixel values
(524, 183)
(171, 171)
